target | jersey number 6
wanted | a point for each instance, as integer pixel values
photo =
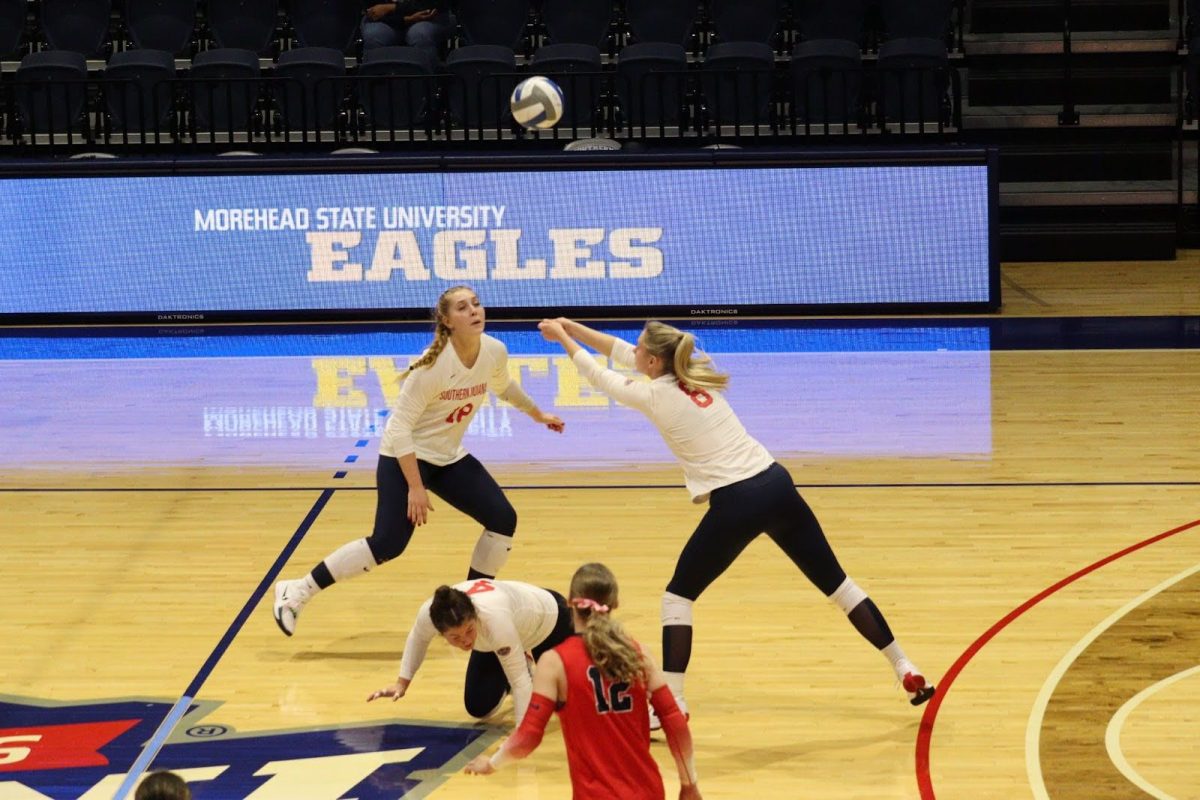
(699, 396)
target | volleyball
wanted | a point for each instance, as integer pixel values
(537, 102)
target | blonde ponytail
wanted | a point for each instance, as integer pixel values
(677, 351)
(593, 595)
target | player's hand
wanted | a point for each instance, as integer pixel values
(395, 691)
(479, 765)
(551, 421)
(552, 330)
(689, 791)
(419, 506)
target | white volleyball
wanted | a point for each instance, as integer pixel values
(537, 102)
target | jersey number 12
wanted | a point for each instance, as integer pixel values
(615, 699)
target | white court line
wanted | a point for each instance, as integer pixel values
(1033, 729)
(1112, 736)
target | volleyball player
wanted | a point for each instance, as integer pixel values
(421, 453)
(599, 682)
(747, 491)
(498, 622)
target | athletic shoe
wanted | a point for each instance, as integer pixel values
(290, 597)
(656, 723)
(918, 689)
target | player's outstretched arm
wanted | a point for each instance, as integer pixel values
(598, 341)
(546, 679)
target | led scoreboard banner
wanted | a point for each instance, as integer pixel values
(692, 236)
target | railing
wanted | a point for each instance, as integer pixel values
(279, 114)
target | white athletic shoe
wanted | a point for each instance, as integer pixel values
(290, 597)
(656, 723)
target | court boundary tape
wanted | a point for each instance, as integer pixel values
(925, 733)
(152, 747)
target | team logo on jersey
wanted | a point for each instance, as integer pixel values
(52, 750)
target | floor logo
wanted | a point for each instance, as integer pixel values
(83, 751)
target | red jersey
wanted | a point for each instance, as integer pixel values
(606, 727)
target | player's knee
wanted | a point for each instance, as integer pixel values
(482, 707)
(504, 521)
(385, 548)
(676, 609)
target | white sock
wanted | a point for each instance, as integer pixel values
(895, 656)
(675, 683)
(349, 561)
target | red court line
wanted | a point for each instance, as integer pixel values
(925, 734)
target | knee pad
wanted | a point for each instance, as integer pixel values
(491, 552)
(350, 560)
(676, 610)
(848, 596)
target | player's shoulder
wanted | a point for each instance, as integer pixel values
(494, 345)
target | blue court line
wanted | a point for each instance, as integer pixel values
(168, 724)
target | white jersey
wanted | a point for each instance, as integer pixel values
(700, 427)
(513, 617)
(438, 402)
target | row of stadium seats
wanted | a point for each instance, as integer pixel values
(404, 89)
(185, 27)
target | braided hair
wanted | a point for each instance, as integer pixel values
(441, 333)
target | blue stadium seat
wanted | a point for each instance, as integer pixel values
(50, 91)
(311, 90)
(137, 90)
(224, 88)
(480, 85)
(826, 82)
(577, 21)
(80, 26)
(745, 20)
(243, 24)
(662, 20)
(914, 76)
(738, 81)
(493, 22)
(396, 87)
(575, 68)
(161, 24)
(833, 19)
(326, 23)
(650, 83)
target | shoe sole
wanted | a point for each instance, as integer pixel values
(278, 611)
(923, 695)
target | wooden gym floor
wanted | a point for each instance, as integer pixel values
(1018, 493)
